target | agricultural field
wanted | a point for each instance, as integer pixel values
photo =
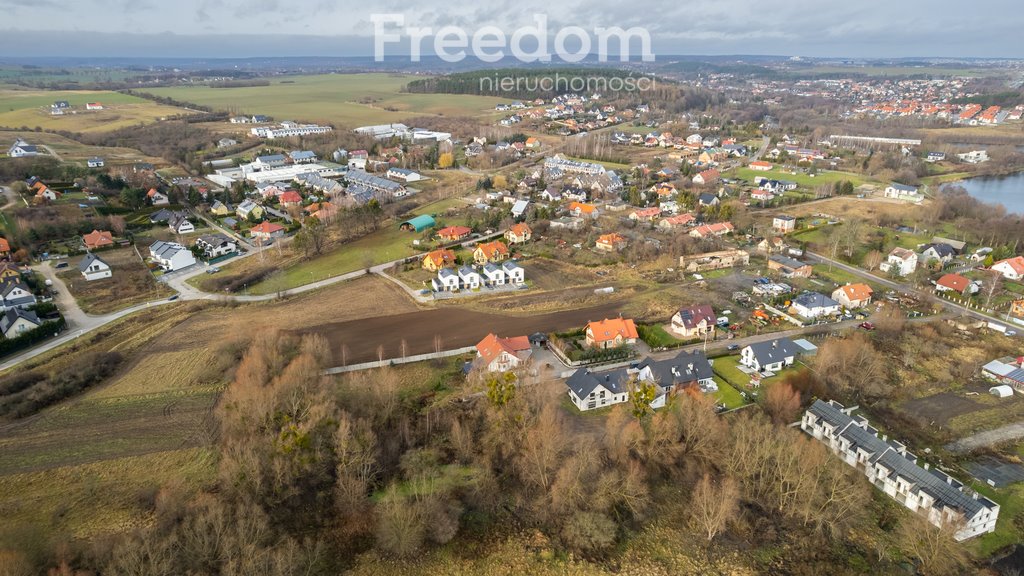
(31, 108)
(342, 100)
(71, 151)
(131, 283)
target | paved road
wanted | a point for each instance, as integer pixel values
(765, 142)
(904, 288)
(988, 438)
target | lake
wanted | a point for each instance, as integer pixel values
(1005, 190)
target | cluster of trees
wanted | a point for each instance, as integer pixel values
(25, 393)
(312, 473)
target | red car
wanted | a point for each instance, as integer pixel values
(866, 325)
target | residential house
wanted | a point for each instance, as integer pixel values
(17, 321)
(95, 162)
(942, 252)
(216, 245)
(708, 199)
(495, 354)
(673, 222)
(454, 233)
(712, 230)
(789, 267)
(266, 231)
(769, 356)
(685, 370)
(493, 274)
(812, 305)
(903, 192)
(290, 199)
(226, 143)
(611, 333)
(157, 198)
(22, 149)
(645, 214)
(249, 208)
(94, 106)
(434, 261)
(955, 283)
(514, 273)
(495, 251)
(853, 296)
(180, 224)
(580, 209)
(783, 224)
(694, 322)
(518, 233)
(713, 261)
(447, 281)
(16, 294)
(589, 391)
(98, 239)
(929, 493)
(171, 256)
(403, 175)
(760, 166)
(1010, 268)
(93, 267)
(770, 245)
(519, 208)
(567, 223)
(900, 261)
(974, 157)
(610, 242)
(220, 209)
(269, 162)
(706, 177)
(5, 248)
(9, 270)
(469, 278)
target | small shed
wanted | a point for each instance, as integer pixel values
(806, 348)
(418, 224)
(1001, 391)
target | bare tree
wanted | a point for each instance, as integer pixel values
(936, 551)
(713, 504)
(781, 402)
(872, 260)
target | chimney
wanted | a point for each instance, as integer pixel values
(690, 366)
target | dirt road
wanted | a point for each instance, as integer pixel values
(988, 438)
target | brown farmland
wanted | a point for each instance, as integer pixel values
(457, 328)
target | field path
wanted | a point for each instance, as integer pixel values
(988, 438)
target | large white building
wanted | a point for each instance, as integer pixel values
(288, 129)
(171, 256)
(934, 495)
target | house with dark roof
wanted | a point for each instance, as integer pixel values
(589, 390)
(938, 251)
(685, 370)
(769, 356)
(93, 267)
(789, 267)
(694, 322)
(16, 321)
(813, 305)
(890, 467)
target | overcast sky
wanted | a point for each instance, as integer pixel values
(243, 28)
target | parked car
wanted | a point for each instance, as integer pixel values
(866, 325)
(173, 298)
(213, 270)
(61, 265)
(733, 347)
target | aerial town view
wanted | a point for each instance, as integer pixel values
(507, 289)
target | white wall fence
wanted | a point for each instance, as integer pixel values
(397, 361)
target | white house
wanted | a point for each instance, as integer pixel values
(940, 251)
(900, 261)
(694, 321)
(1010, 268)
(94, 268)
(974, 157)
(95, 162)
(514, 273)
(171, 256)
(16, 294)
(493, 274)
(22, 149)
(269, 162)
(589, 391)
(16, 321)
(180, 224)
(403, 175)
(813, 305)
(783, 224)
(469, 278)
(931, 493)
(903, 192)
(216, 245)
(447, 281)
(769, 356)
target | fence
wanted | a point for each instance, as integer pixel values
(397, 361)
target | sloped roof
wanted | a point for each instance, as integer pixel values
(492, 346)
(691, 316)
(608, 329)
(773, 351)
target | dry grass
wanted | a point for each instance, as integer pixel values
(72, 151)
(871, 210)
(131, 283)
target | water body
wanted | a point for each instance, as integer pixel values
(1005, 190)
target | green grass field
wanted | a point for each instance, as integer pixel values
(727, 368)
(347, 100)
(803, 180)
(728, 395)
(31, 108)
